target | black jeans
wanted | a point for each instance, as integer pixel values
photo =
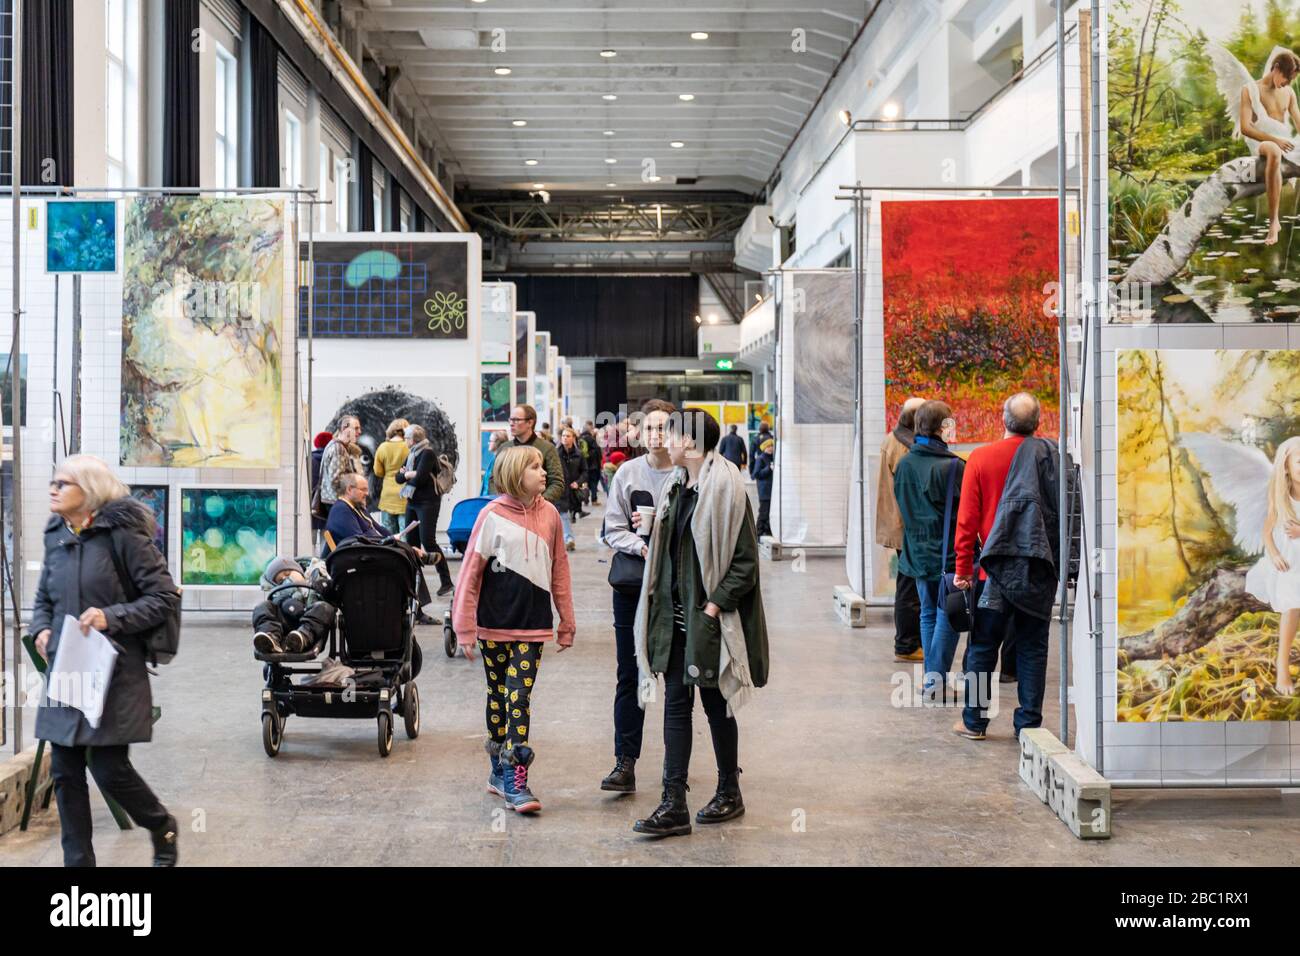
(679, 701)
(629, 718)
(907, 615)
(764, 517)
(115, 776)
(426, 535)
(1027, 650)
(593, 483)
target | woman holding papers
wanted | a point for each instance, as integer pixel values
(95, 528)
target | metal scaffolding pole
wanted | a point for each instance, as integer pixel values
(1062, 313)
(15, 377)
(1098, 307)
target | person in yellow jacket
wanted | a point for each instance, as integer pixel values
(390, 458)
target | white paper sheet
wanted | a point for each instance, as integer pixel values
(82, 669)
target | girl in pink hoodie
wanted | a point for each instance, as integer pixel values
(515, 566)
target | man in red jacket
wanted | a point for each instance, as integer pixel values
(981, 493)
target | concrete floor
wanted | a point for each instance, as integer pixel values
(834, 773)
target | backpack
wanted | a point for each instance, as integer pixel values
(445, 480)
(161, 643)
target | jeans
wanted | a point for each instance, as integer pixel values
(564, 522)
(392, 522)
(426, 535)
(907, 615)
(938, 639)
(593, 483)
(629, 718)
(764, 517)
(679, 701)
(1026, 644)
(116, 777)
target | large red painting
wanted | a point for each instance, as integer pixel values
(965, 301)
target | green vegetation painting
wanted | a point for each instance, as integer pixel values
(80, 236)
(1203, 160)
(227, 535)
(497, 388)
(202, 303)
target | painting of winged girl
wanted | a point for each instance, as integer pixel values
(1208, 534)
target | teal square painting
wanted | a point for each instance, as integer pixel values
(80, 236)
(228, 535)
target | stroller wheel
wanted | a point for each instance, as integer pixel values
(272, 733)
(448, 639)
(385, 733)
(411, 710)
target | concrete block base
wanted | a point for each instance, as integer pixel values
(1074, 791)
(14, 774)
(849, 606)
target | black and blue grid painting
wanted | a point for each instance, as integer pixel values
(393, 290)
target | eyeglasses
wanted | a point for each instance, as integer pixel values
(58, 484)
(519, 421)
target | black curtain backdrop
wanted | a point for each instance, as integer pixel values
(264, 62)
(47, 93)
(180, 94)
(611, 386)
(614, 316)
(365, 221)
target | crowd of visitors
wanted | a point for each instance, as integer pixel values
(976, 539)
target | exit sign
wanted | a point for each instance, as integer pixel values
(725, 365)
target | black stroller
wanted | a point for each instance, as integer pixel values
(373, 586)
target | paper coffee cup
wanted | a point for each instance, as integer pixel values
(647, 514)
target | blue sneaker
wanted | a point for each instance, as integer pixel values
(495, 784)
(514, 774)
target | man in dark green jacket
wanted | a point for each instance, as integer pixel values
(700, 622)
(922, 480)
(523, 425)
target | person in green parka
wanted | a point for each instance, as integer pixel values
(700, 619)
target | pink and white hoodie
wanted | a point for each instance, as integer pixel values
(515, 565)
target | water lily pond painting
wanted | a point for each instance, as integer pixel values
(80, 236)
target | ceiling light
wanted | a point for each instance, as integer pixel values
(697, 320)
(502, 71)
(713, 320)
(611, 160)
(686, 97)
(609, 132)
(609, 97)
(539, 185)
(519, 123)
(890, 112)
(846, 117)
(608, 53)
(697, 35)
(676, 144)
(530, 162)
(611, 185)
(653, 179)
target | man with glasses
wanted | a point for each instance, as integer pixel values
(523, 431)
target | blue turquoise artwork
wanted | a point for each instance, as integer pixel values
(228, 535)
(155, 498)
(80, 236)
(408, 289)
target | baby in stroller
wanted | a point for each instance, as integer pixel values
(294, 603)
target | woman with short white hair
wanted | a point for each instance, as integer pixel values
(95, 529)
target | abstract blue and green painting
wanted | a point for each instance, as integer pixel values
(227, 535)
(80, 236)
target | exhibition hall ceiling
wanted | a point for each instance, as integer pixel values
(581, 94)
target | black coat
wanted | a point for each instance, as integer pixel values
(1022, 554)
(426, 490)
(78, 574)
(575, 469)
(762, 472)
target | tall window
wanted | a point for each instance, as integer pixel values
(341, 167)
(292, 175)
(122, 90)
(379, 203)
(226, 106)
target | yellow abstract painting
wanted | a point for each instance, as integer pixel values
(202, 301)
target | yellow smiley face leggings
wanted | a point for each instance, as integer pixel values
(511, 672)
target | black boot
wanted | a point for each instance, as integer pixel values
(164, 843)
(726, 804)
(671, 818)
(622, 779)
